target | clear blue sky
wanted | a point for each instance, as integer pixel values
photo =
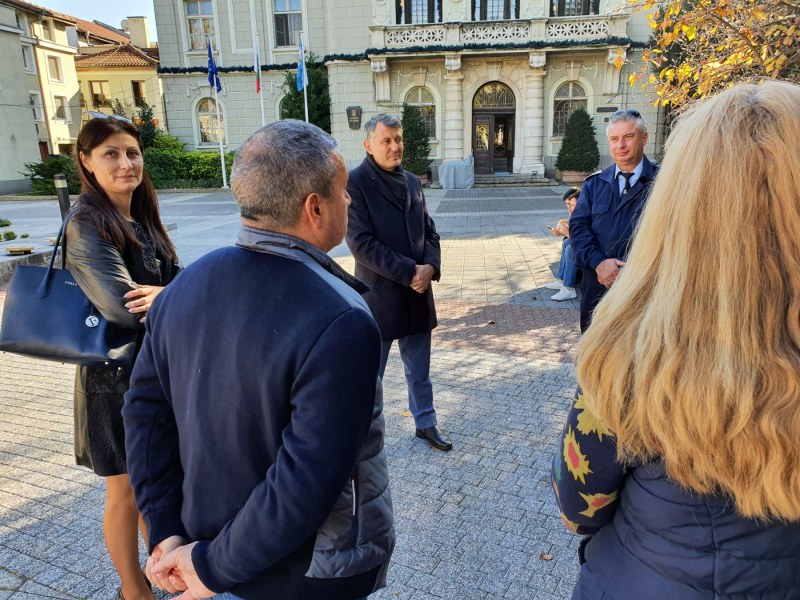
(110, 12)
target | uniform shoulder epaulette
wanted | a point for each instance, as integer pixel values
(592, 175)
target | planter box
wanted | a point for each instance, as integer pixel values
(574, 176)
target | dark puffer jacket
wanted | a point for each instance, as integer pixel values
(666, 543)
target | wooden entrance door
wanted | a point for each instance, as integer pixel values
(503, 143)
(493, 108)
(483, 143)
(493, 143)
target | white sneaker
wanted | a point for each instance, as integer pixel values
(556, 284)
(566, 293)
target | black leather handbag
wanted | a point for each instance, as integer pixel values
(47, 316)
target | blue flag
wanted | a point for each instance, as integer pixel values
(302, 74)
(213, 79)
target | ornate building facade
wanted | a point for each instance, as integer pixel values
(495, 79)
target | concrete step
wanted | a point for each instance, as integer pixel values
(511, 180)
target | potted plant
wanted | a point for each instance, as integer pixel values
(578, 156)
(416, 143)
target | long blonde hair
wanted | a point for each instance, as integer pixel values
(694, 353)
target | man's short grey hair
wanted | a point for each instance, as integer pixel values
(627, 115)
(388, 120)
(278, 167)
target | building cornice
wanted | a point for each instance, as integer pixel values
(427, 51)
(11, 29)
(45, 45)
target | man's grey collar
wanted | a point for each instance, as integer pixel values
(283, 244)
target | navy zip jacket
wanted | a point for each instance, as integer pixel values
(602, 225)
(655, 540)
(249, 405)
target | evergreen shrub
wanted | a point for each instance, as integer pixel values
(416, 143)
(42, 173)
(579, 150)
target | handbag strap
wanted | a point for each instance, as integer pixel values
(62, 235)
(44, 287)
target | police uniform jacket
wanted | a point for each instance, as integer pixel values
(602, 223)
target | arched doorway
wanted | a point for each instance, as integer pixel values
(493, 108)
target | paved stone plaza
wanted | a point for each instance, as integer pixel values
(478, 522)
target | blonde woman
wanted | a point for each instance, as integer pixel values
(681, 457)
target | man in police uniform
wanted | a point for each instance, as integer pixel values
(608, 209)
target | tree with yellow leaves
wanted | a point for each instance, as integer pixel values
(703, 46)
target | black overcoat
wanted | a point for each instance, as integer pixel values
(389, 236)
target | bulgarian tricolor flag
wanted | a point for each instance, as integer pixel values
(257, 69)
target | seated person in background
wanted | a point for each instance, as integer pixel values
(566, 274)
(681, 455)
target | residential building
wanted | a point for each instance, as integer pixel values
(48, 48)
(496, 79)
(18, 137)
(118, 65)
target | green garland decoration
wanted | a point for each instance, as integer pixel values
(532, 45)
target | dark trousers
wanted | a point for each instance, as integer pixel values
(592, 291)
(415, 350)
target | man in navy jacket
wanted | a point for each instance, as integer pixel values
(608, 209)
(254, 426)
(396, 248)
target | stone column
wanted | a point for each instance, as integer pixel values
(454, 109)
(534, 128)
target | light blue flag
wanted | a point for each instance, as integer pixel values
(212, 70)
(302, 74)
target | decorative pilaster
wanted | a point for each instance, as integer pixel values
(532, 149)
(454, 109)
(380, 76)
(614, 63)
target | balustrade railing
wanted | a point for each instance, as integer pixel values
(554, 29)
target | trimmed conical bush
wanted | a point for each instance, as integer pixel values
(579, 147)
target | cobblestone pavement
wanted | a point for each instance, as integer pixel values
(477, 522)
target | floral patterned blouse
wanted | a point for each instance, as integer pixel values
(586, 475)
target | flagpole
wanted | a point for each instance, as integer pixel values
(221, 151)
(258, 74)
(213, 81)
(305, 78)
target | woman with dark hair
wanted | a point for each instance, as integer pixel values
(119, 253)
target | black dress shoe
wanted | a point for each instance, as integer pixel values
(435, 438)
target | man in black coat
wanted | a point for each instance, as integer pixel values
(396, 247)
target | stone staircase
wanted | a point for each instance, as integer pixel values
(511, 180)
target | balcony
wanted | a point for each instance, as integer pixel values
(547, 30)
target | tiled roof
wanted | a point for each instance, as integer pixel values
(119, 56)
(151, 52)
(101, 32)
(39, 9)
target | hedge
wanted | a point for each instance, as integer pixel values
(169, 168)
(173, 169)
